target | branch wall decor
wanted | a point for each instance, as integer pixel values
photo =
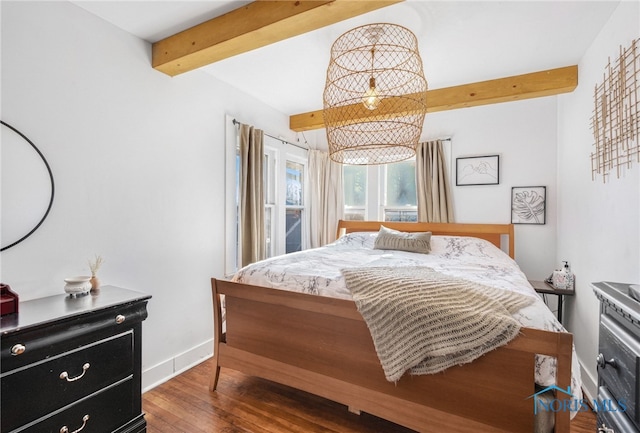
(616, 117)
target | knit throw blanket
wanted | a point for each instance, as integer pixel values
(423, 321)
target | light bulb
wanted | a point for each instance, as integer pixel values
(371, 98)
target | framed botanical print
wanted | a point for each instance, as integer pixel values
(528, 204)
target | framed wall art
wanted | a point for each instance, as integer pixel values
(528, 204)
(478, 170)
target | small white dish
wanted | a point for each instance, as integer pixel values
(78, 279)
(78, 285)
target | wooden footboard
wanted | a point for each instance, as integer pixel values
(323, 346)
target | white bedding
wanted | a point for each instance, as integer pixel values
(317, 271)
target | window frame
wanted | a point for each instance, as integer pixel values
(232, 255)
(375, 199)
(279, 151)
(360, 210)
(271, 199)
(384, 207)
(302, 208)
(375, 186)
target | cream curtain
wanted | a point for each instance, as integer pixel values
(251, 194)
(327, 198)
(434, 193)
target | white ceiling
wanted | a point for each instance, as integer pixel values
(460, 42)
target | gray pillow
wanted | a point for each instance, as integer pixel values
(389, 239)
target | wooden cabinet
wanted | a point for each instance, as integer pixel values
(73, 363)
(618, 359)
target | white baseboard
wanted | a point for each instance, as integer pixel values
(162, 372)
(589, 383)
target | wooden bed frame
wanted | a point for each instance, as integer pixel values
(322, 345)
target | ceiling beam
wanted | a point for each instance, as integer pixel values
(533, 85)
(252, 26)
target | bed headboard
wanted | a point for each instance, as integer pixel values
(491, 232)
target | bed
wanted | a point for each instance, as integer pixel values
(321, 344)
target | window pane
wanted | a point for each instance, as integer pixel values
(295, 184)
(401, 184)
(294, 230)
(401, 215)
(353, 214)
(355, 185)
(269, 178)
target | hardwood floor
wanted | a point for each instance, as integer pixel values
(248, 404)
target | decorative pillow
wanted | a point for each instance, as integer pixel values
(389, 239)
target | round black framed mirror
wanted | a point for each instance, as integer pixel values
(27, 187)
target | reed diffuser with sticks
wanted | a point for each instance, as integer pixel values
(94, 266)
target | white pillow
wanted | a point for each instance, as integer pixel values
(357, 239)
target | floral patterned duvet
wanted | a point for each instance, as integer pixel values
(317, 271)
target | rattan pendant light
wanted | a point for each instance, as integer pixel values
(375, 97)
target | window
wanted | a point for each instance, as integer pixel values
(286, 217)
(399, 187)
(286, 227)
(270, 201)
(381, 192)
(294, 206)
(355, 192)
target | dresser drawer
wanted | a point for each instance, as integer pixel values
(102, 412)
(58, 381)
(49, 340)
(612, 417)
(624, 348)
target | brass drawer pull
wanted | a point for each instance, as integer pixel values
(18, 349)
(65, 429)
(65, 376)
(120, 318)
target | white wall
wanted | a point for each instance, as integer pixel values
(598, 223)
(523, 133)
(137, 158)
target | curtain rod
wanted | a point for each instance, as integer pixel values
(235, 122)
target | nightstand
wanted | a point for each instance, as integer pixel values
(548, 289)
